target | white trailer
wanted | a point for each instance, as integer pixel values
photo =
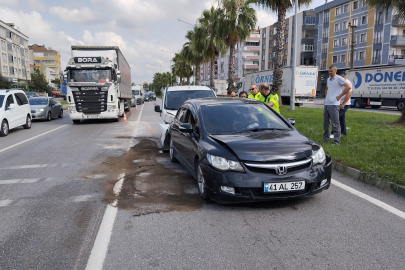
(376, 87)
(98, 80)
(305, 83)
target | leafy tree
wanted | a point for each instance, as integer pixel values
(398, 5)
(56, 82)
(181, 67)
(145, 85)
(38, 82)
(280, 7)
(192, 55)
(235, 24)
(161, 80)
(4, 84)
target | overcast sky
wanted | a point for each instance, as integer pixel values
(141, 28)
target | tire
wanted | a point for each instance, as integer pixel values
(115, 119)
(171, 152)
(375, 106)
(28, 123)
(60, 114)
(358, 103)
(76, 121)
(202, 190)
(4, 128)
(400, 105)
(49, 117)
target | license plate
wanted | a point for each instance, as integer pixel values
(91, 116)
(286, 186)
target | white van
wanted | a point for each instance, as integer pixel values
(172, 98)
(137, 95)
(14, 111)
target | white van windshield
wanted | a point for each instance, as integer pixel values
(174, 99)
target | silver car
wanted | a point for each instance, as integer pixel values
(45, 108)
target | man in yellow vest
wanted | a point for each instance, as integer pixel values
(268, 97)
(253, 92)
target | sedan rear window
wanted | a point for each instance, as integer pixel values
(38, 101)
(174, 99)
(240, 117)
(1, 100)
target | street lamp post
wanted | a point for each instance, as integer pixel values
(160, 64)
(170, 65)
(193, 65)
(294, 56)
(353, 44)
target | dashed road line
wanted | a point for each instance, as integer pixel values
(5, 202)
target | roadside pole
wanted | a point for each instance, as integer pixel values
(294, 56)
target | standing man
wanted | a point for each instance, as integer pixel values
(334, 93)
(243, 94)
(268, 97)
(344, 105)
(253, 92)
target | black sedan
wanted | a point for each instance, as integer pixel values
(152, 96)
(241, 150)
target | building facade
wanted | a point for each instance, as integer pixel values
(47, 61)
(14, 59)
(379, 38)
(246, 60)
(305, 33)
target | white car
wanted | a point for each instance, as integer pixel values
(14, 111)
(172, 98)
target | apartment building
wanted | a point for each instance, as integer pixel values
(246, 61)
(47, 61)
(379, 37)
(14, 62)
(305, 37)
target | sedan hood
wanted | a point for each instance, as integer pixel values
(267, 146)
(36, 107)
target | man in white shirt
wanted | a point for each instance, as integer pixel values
(334, 93)
(344, 105)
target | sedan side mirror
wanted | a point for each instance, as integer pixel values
(188, 128)
(292, 121)
(157, 109)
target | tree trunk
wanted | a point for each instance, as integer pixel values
(278, 65)
(197, 75)
(231, 70)
(188, 78)
(181, 80)
(212, 76)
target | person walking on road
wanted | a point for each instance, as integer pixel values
(344, 105)
(334, 93)
(253, 92)
(268, 97)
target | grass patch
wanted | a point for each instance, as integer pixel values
(63, 102)
(373, 144)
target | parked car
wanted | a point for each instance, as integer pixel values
(31, 94)
(152, 96)
(14, 111)
(45, 108)
(146, 97)
(172, 98)
(241, 150)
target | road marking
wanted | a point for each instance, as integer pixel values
(379, 203)
(17, 144)
(118, 185)
(35, 166)
(83, 198)
(5, 202)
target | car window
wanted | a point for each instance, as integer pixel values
(239, 117)
(19, 103)
(185, 115)
(22, 98)
(38, 101)
(9, 101)
(180, 114)
(174, 99)
(1, 100)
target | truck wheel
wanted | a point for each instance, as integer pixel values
(400, 105)
(358, 103)
(76, 121)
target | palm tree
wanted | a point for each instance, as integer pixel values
(280, 7)
(207, 40)
(237, 21)
(398, 5)
(181, 67)
(194, 56)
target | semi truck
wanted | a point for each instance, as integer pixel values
(305, 83)
(98, 83)
(378, 86)
(138, 94)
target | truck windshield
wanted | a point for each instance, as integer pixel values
(90, 75)
(174, 99)
(1, 100)
(135, 92)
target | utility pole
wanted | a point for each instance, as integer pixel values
(170, 65)
(352, 45)
(294, 56)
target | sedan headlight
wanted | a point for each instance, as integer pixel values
(41, 110)
(168, 118)
(224, 164)
(319, 156)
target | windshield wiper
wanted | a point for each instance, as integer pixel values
(259, 129)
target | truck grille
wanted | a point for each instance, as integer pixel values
(90, 101)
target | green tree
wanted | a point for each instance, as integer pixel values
(397, 5)
(145, 86)
(235, 24)
(181, 67)
(4, 84)
(38, 82)
(192, 55)
(57, 83)
(280, 7)
(207, 40)
(161, 80)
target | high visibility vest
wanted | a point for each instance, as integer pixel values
(274, 98)
(258, 95)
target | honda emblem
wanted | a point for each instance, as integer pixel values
(281, 170)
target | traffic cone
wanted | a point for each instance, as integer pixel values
(125, 118)
(149, 102)
(136, 107)
(130, 112)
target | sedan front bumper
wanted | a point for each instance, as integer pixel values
(39, 115)
(249, 186)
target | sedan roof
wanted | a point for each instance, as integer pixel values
(223, 101)
(187, 87)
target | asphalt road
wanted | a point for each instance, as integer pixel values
(100, 195)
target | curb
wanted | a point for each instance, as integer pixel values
(359, 176)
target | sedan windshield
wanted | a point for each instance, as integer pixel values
(174, 99)
(1, 100)
(90, 75)
(240, 117)
(38, 101)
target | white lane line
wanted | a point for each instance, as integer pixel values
(83, 198)
(379, 203)
(35, 166)
(17, 144)
(19, 181)
(118, 185)
(5, 202)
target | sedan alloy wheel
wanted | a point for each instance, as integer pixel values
(171, 152)
(4, 129)
(201, 184)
